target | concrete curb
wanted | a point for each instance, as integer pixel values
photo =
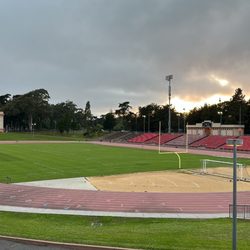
(114, 214)
(74, 246)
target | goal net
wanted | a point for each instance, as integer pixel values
(224, 169)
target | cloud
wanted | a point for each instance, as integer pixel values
(110, 51)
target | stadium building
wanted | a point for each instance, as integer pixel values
(210, 128)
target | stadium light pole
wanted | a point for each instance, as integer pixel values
(178, 117)
(136, 122)
(220, 113)
(240, 115)
(169, 78)
(184, 121)
(144, 118)
(234, 143)
(148, 123)
(33, 128)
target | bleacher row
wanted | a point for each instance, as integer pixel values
(179, 140)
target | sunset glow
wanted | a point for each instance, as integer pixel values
(182, 105)
(220, 81)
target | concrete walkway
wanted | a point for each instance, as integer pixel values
(67, 183)
(16, 243)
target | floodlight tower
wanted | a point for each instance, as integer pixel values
(169, 78)
(144, 118)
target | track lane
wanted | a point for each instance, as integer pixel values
(86, 200)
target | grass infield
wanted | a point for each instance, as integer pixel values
(127, 232)
(30, 162)
(30, 136)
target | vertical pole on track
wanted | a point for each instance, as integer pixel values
(234, 198)
(234, 143)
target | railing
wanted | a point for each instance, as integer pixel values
(243, 211)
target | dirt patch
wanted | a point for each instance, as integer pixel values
(166, 181)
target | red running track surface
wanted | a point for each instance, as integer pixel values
(85, 200)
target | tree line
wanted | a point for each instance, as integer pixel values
(32, 110)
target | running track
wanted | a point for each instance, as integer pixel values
(85, 200)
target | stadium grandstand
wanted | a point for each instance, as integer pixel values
(206, 135)
(164, 138)
(212, 141)
(143, 138)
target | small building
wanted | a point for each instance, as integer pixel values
(1, 122)
(210, 128)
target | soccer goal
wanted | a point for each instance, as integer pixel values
(224, 169)
(172, 150)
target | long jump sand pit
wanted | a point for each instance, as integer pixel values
(166, 181)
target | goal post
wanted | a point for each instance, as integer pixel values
(177, 153)
(223, 169)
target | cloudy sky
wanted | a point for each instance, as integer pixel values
(111, 51)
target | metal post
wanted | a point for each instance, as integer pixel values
(240, 115)
(169, 107)
(169, 78)
(144, 117)
(220, 113)
(234, 198)
(184, 121)
(234, 143)
(178, 117)
(148, 123)
(135, 122)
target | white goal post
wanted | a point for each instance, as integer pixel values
(177, 153)
(209, 166)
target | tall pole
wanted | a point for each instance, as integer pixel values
(136, 122)
(234, 143)
(169, 78)
(184, 121)
(240, 115)
(148, 123)
(178, 117)
(144, 118)
(234, 199)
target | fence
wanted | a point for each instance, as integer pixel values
(243, 211)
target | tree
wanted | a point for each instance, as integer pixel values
(109, 121)
(87, 117)
(235, 110)
(25, 110)
(123, 114)
(64, 114)
(124, 109)
(4, 99)
(35, 106)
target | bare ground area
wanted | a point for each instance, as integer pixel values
(167, 181)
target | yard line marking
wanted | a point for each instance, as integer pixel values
(172, 182)
(196, 184)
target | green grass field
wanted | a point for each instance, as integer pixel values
(178, 234)
(29, 162)
(46, 136)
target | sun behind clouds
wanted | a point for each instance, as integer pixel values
(222, 82)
